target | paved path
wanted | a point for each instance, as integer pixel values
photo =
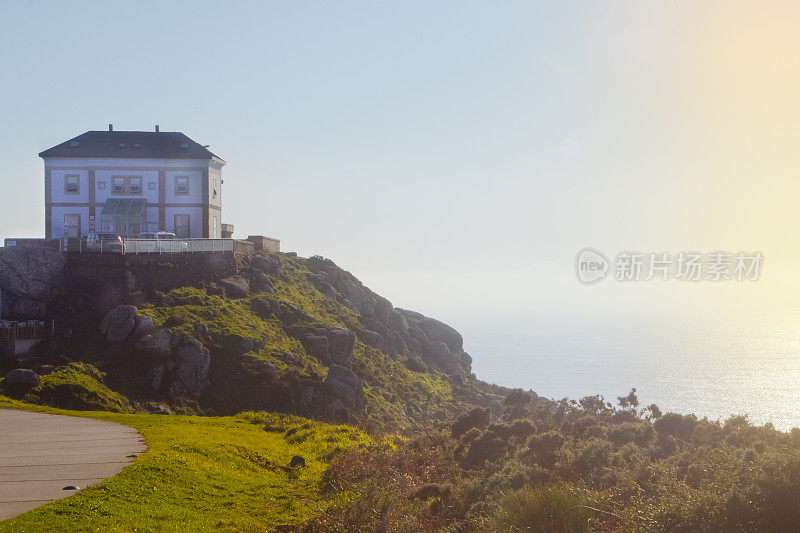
(40, 454)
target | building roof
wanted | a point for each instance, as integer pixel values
(124, 206)
(131, 144)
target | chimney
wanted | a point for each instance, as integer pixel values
(156, 128)
(111, 128)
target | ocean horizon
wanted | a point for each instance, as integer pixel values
(711, 368)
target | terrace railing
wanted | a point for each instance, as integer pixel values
(171, 246)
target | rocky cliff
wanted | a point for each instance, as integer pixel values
(271, 331)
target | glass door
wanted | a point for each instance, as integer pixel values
(182, 226)
(72, 225)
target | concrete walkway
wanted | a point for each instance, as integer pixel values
(40, 454)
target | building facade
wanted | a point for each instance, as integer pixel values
(129, 182)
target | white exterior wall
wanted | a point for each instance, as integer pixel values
(195, 195)
(149, 169)
(58, 192)
(195, 219)
(58, 219)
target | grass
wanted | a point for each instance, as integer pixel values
(202, 473)
(76, 386)
(558, 508)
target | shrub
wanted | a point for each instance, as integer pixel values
(592, 455)
(676, 425)
(545, 445)
(486, 448)
(516, 403)
(638, 433)
(545, 509)
(476, 418)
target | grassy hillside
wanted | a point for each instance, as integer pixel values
(201, 473)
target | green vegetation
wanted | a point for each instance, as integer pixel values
(395, 396)
(474, 457)
(573, 466)
(73, 386)
(547, 509)
(201, 473)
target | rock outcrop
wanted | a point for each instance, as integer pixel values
(421, 341)
(119, 323)
(333, 346)
(181, 364)
(30, 277)
(236, 286)
(22, 377)
(343, 392)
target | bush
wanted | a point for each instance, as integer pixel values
(486, 448)
(592, 456)
(545, 445)
(476, 418)
(545, 509)
(676, 425)
(638, 433)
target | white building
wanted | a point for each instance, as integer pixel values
(128, 182)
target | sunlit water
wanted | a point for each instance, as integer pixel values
(712, 370)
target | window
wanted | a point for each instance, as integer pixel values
(101, 184)
(151, 185)
(214, 192)
(72, 184)
(181, 185)
(182, 226)
(126, 185)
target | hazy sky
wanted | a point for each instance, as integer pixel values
(453, 155)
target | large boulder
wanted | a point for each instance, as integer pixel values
(317, 345)
(340, 347)
(266, 264)
(372, 338)
(236, 286)
(144, 327)
(179, 364)
(160, 341)
(190, 375)
(438, 354)
(439, 331)
(22, 377)
(345, 391)
(333, 346)
(437, 343)
(118, 323)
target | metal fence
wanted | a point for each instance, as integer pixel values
(170, 246)
(150, 246)
(31, 329)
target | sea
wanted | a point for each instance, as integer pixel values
(713, 368)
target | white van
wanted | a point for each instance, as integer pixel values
(155, 242)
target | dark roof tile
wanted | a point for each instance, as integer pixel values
(131, 144)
